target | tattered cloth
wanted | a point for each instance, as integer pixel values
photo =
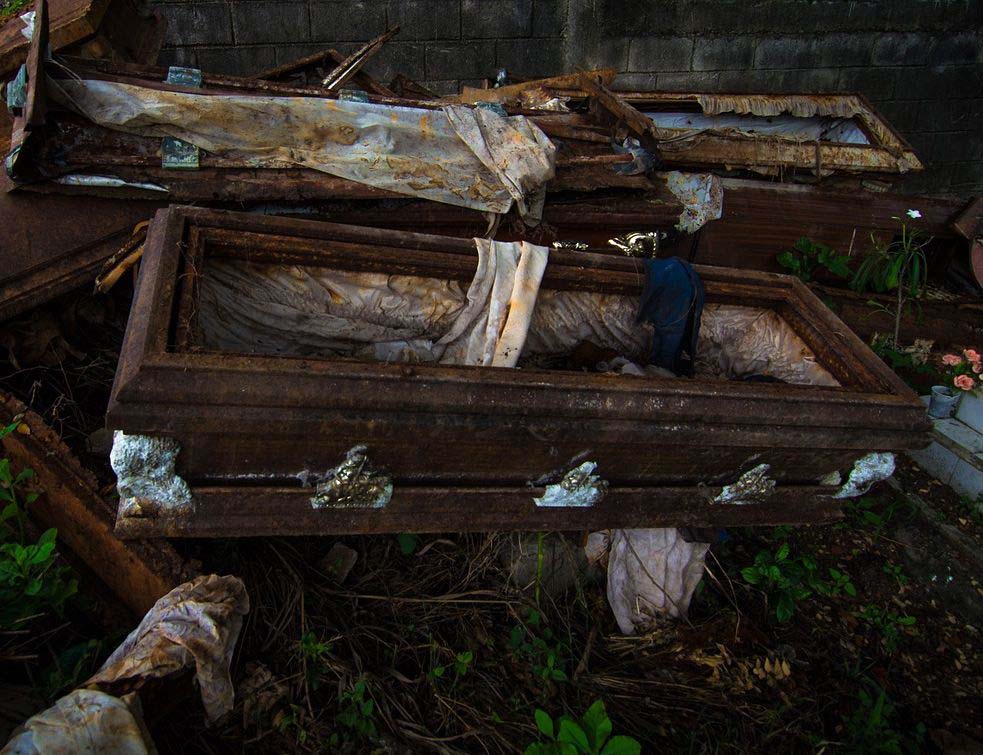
(462, 156)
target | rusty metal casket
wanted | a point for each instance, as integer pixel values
(244, 434)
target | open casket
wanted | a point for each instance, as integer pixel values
(281, 376)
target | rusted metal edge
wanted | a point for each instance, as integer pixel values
(231, 511)
(137, 572)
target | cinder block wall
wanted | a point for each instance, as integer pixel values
(919, 61)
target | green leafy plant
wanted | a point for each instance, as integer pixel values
(787, 581)
(889, 623)
(899, 266)
(910, 363)
(31, 581)
(873, 512)
(535, 643)
(871, 727)
(315, 653)
(590, 735)
(460, 666)
(895, 571)
(807, 256)
(356, 714)
(71, 667)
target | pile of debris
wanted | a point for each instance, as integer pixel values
(301, 359)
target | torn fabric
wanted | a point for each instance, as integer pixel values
(399, 318)
(492, 329)
(702, 197)
(197, 623)
(651, 573)
(84, 722)
(517, 152)
(306, 311)
(474, 159)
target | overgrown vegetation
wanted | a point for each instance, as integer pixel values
(588, 735)
(808, 256)
(9, 8)
(787, 581)
(898, 266)
(32, 582)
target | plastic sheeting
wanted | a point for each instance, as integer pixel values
(86, 722)
(651, 573)
(280, 309)
(810, 129)
(461, 156)
(195, 624)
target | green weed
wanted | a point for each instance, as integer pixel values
(356, 715)
(890, 624)
(590, 735)
(315, 653)
(535, 644)
(871, 729)
(788, 581)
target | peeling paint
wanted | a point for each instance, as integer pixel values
(872, 468)
(147, 481)
(353, 484)
(579, 487)
(753, 486)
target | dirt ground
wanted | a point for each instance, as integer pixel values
(882, 656)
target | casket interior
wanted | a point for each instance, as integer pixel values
(259, 405)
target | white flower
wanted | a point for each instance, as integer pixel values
(914, 214)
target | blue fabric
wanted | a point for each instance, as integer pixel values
(672, 300)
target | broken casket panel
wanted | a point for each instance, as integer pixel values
(768, 134)
(469, 448)
(115, 29)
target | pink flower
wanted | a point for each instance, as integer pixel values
(972, 356)
(978, 368)
(964, 382)
(951, 359)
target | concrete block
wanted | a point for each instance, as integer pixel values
(970, 412)
(356, 21)
(609, 52)
(660, 54)
(967, 479)
(960, 48)
(877, 83)
(408, 58)
(901, 115)
(178, 56)
(237, 61)
(629, 82)
(638, 18)
(197, 24)
(530, 57)
(442, 87)
(264, 22)
(689, 81)
(549, 18)
(960, 434)
(425, 19)
(937, 460)
(484, 19)
(911, 49)
(825, 51)
(449, 60)
(723, 53)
